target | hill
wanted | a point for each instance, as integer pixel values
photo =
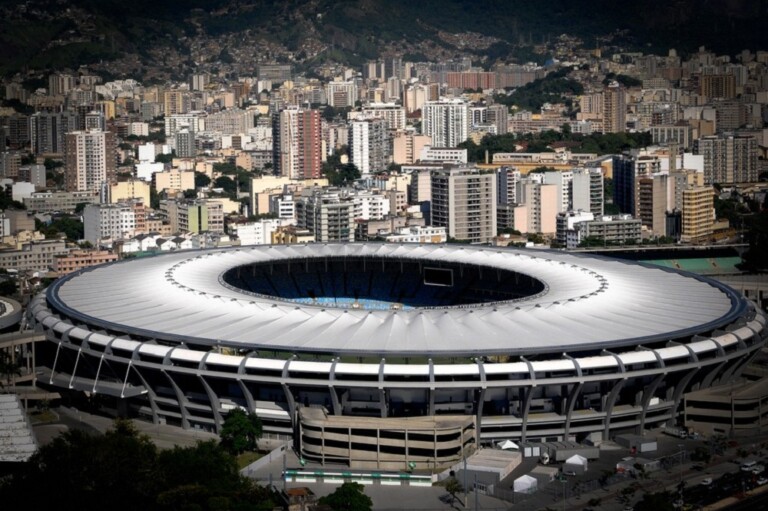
(49, 34)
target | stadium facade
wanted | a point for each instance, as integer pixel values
(380, 354)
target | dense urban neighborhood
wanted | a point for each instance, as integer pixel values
(324, 250)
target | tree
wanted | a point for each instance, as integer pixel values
(201, 180)
(51, 164)
(8, 366)
(661, 501)
(453, 487)
(343, 174)
(124, 468)
(164, 158)
(225, 183)
(154, 198)
(240, 431)
(72, 228)
(348, 497)
(7, 287)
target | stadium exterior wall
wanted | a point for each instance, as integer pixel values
(559, 394)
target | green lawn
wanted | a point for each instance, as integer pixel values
(248, 457)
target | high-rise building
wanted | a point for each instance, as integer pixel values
(730, 115)
(198, 82)
(728, 158)
(698, 213)
(393, 113)
(229, 122)
(90, 159)
(194, 121)
(417, 95)
(369, 145)
(446, 121)
(94, 120)
(111, 221)
(655, 198)
(275, 73)
(507, 179)
(627, 170)
(680, 133)
(176, 101)
(498, 115)
(47, 131)
(407, 145)
(194, 216)
(464, 202)
(60, 83)
(562, 179)
(394, 89)
(328, 215)
(587, 191)
(297, 143)
(184, 141)
(717, 86)
(10, 162)
(341, 94)
(614, 108)
(542, 203)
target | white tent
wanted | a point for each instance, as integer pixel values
(576, 464)
(508, 444)
(525, 484)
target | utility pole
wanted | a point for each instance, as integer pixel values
(682, 452)
(565, 486)
(465, 480)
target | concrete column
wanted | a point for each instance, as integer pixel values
(610, 401)
(644, 403)
(213, 399)
(572, 397)
(181, 399)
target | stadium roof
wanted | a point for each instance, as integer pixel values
(589, 303)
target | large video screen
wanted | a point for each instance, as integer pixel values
(438, 277)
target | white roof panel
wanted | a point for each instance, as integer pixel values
(587, 303)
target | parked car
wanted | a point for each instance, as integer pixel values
(748, 465)
(706, 481)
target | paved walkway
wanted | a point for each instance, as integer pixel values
(164, 437)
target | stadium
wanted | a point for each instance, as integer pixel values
(375, 355)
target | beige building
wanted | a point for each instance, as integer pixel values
(79, 259)
(174, 180)
(264, 187)
(127, 190)
(655, 197)
(407, 146)
(542, 207)
(33, 256)
(158, 225)
(291, 235)
(698, 213)
(614, 109)
(386, 443)
(194, 216)
(717, 86)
